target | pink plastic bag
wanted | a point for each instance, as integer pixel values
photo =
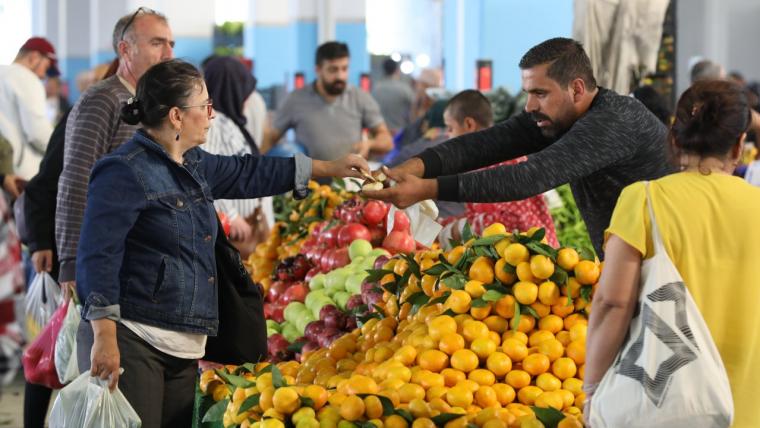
(39, 357)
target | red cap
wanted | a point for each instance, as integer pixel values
(42, 46)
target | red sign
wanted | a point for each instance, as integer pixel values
(484, 75)
(299, 81)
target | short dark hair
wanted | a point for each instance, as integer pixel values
(710, 117)
(654, 102)
(471, 103)
(331, 50)
(390, 66)
(165, 85)
(567, 59)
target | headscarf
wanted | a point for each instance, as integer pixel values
(229, 84)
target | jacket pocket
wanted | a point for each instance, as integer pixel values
(159, 279)
(175, 201)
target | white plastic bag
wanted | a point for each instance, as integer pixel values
(88, 403)
(41, 301)
(668, 372)
(66, 346)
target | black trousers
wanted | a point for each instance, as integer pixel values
(160, 387)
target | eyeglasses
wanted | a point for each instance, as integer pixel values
(209, 107)
(132, 19)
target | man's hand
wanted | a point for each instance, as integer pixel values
(67, 288)
(347, 166)
(14, 185)
(362, 148)
(407, 191)
(105, 357)
(413, 166)
(42, 261)
(240, 230)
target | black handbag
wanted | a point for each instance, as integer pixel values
(242, 335)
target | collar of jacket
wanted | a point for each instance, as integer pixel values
(191, 157)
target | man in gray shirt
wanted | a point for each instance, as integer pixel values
(394, 96)
(329, 115)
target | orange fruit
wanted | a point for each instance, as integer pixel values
(551, 323)
(535, 364)
(441, 326)
(410, 391)
(505, 307)
(541, 309)
(486, 396)
(539, 336)
(564, 368)
(455, 254)
(352, 408)
(578, 332)
(570, 422)
(552, 348)
(419, 408)
(480, 313)
(562, 309)
(474, 288)
(567, 397)
(482, 270)
(395, 421)
(494, 229)
(526, 323)
(518, 379)
(515, 350)
(499, 363)
(503, 275)
(459, 301)
(317, 393)
(586, 272)
(451, 343)
(567, 258)
(548, 382)
(525, 292)
(452, 377)
(286, 400)
(373, 407)
(518, 335)
(563, 337)
(573, 288)
(459, 396)
(516, 253)
(473, 329)
(524, 273)
(433, 360)
(573, 384)
(572, 320)
(482, 377)
(464, 360)
(550, 399)
(496, 324)
(527, 395)
(483, 347)
(541, 266)
(576, 351)
(504, 393)
(548, 293)
(427, 283)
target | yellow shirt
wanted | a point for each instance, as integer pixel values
(710, 225)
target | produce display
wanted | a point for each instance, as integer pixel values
(367, 330)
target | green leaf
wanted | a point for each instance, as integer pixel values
(417, 300)
(277, 380)
(586, 254)
(385, 401)
(444, 261)
(498, 287)
(436, 270)
(216, 412)
(307, 402)
(376, 274)
(490, 240)
(542, 249)
(466, 232)
(363, 319)
(267, 369)
(569, 301)
(249, 367)
(405, 414)
(402, 283)
(586, 292)
(339, 183)
(440, 299)
(481, 251)
(549, 416)
(478, 303)
(471, 425)
(296, 346)
(491, 296)
(364, 424)
(455, 281)
(450, 313)
(560, 275)
(413, 265)
(530, 311)
(378, 309)
(249, 402)
(539, 234)
(508, 268)
(445, 418)
(234, 380)
(517, 316)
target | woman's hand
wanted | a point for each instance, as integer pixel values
(105, 357)
(240, 230)
(347, 166)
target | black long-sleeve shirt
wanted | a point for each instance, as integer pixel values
(41, 191)
(615, 143)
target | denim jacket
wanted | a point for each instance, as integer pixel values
(146, 251)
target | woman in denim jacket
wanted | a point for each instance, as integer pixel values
(145, 267)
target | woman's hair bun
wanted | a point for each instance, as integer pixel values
(132, 111)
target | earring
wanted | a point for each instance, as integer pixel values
(176, 138)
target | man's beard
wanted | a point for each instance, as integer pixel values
(553, 130)
(335, 88)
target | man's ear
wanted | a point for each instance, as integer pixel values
(577, 89)
(470, 125)
(123, 48)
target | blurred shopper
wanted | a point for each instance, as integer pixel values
(706, 70)
(470, 111)
(394, 96)
(654, 102)
(229, 86)
(57, 103)
(706, 218)
(329, 115)
(24, 125)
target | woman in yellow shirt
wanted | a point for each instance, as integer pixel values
(708, 222)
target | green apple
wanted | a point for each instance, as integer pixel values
(290, 332)
(274, 325)
(377, 252)
(301, 322)
(317, 282)
(293, 310)
(314, 296)
(271, 331)
(336, 280)
(354, 283)
(341, 298)
(359, 248)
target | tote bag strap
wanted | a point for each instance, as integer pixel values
(659, 246)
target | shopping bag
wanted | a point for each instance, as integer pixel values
(88, 403)
(42, 299)
(66, 345)
(668, 372)
(39, 359)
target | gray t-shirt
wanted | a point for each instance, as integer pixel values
(328, 130)
(395, 98)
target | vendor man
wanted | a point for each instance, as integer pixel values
(572, 132)
(329, 115)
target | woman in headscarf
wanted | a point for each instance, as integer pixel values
(229, 85)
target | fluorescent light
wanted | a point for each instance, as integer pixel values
(406, 67)
(422, 60)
